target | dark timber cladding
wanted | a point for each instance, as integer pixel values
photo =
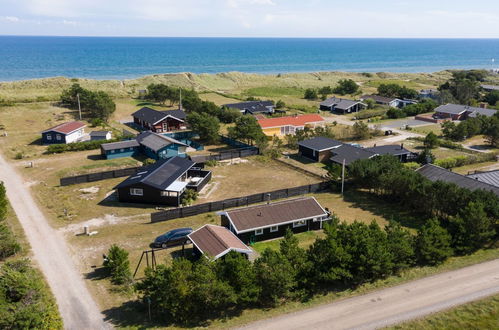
(216, 241)
(318, 148)
(161, 183)
(436, 173)
(263, 222)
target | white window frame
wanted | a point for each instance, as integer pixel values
(259, 232)
(299, 223)
(58, 137)
(273, 229)
(136, 191)
(49, 137)
(122, 150)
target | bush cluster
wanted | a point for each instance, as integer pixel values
(424, 106)
(77, 146)
(8, 243)
(458, 161)
(366, 114)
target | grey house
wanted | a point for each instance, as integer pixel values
(318, 148)
(340, 105)
(252, 107)
(396, 150)
(436, 173)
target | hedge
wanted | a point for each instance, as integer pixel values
(77, 146)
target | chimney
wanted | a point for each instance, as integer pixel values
(268, 198)
(374, 145)
(401, 146)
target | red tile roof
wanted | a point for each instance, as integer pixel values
(66, 128)
(296, 121)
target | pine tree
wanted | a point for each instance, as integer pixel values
(433, 244)
(401, 245)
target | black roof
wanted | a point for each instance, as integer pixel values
(436, 173)
(120, 145)
(161, 174)
(178, 113)
(320, 143)
(491, 177)
(251, 106)
(156, 141)
(350, 154)
(393, 149)
(152, 116)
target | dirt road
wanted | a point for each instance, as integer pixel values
(50, 251)
(397, 304)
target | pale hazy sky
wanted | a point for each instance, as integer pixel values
(252, 18)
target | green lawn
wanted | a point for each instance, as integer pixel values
(482, 314)
(304, 240)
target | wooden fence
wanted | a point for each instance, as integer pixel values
(225, 155)
(188, 211)
(91, 177)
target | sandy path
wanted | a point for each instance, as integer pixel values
(397, 304)
(76, 305)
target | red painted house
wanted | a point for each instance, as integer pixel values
(160, 121)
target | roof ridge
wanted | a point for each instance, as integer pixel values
(213, 233)
(272, 204)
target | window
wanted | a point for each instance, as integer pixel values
(259, 231)
(112, 151)
(58, 137)
(49, 137)
(136, 192)
(273, 229)
(299, 223)
(169, 193)
(122, 150)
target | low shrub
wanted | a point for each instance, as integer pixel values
(366, 114)
(77, 146)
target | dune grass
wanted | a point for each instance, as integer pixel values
(482, 314)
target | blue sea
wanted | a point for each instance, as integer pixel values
(123, 58)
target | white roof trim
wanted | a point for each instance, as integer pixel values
(165, 117)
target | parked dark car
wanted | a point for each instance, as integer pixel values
(173, 237)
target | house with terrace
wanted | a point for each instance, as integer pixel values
(268, 221)
(342, 106)
(215, 242)
(252, 107)
(461, 112)
(392, 102)
(395, 150)
(288, 125)
(318, 148)
(160, 121)
(65, 133)
(163, 182)
(347, 154)
(152, 145)
(159, 146)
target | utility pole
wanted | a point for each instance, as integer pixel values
(343, 178)
(180, 100)
(79, 106)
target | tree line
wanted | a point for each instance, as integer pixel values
(344, 87)
(190, 292)
(97, 105)
(488, 126)
(469, 217)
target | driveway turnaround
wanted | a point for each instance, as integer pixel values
(50, 251)
(397, 304)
